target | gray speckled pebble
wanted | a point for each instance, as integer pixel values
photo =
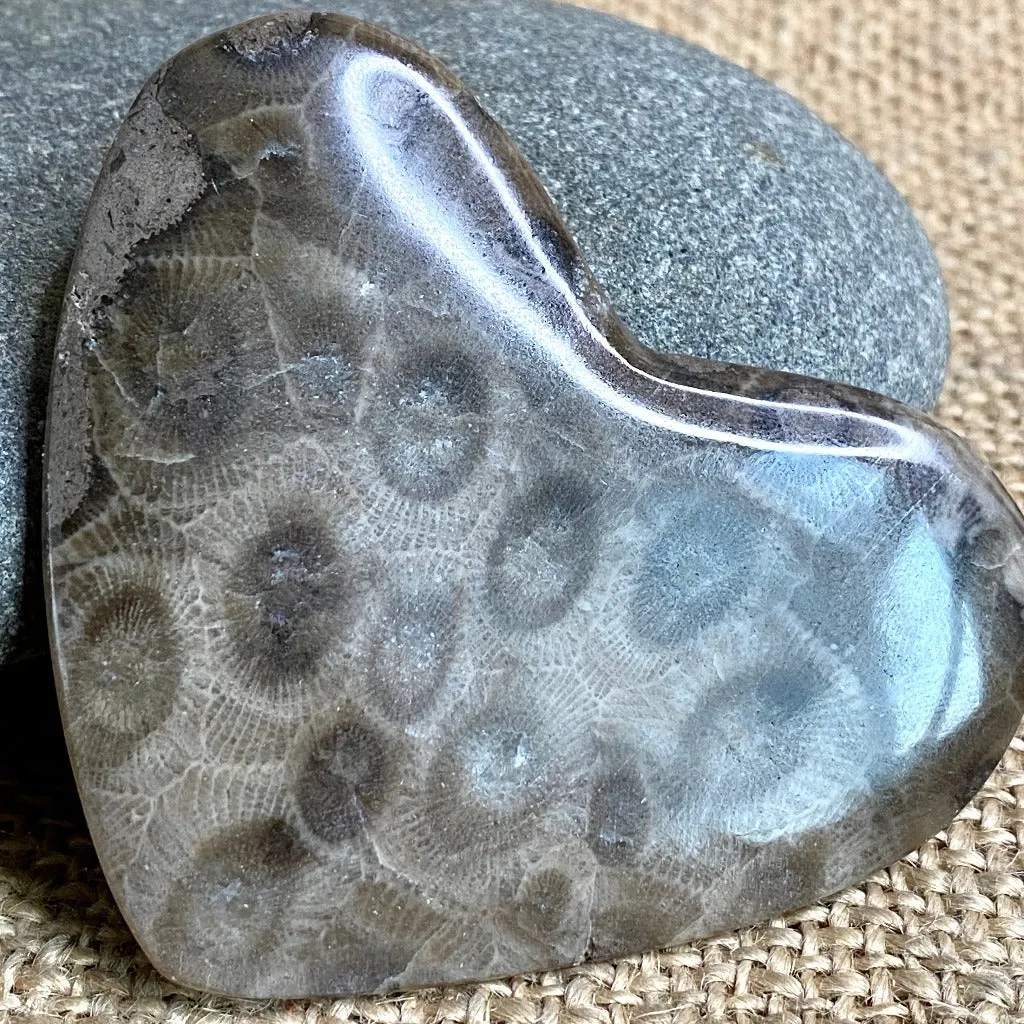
(723, 218)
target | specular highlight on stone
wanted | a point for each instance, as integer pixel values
(415, 625)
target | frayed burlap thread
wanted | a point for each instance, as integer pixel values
(933, 91)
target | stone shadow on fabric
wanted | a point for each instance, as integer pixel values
(47, 861)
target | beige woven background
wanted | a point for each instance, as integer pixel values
(933, 91)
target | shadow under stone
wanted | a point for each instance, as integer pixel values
(47, 860)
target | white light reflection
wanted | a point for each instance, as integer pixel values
(929, 650)
(431, 221)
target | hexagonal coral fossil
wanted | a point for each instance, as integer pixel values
(412, 622)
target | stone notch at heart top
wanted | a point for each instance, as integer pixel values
(413, 624)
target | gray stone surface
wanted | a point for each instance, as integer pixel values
(722, 217)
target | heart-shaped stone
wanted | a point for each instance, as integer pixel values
(413, 623)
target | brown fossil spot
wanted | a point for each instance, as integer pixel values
(286, 595)
(429, 428)
(345, 778)
(543, 553)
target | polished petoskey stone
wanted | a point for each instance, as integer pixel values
(415, 625)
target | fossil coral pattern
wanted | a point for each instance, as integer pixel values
(413, 623)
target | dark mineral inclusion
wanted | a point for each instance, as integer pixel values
(414, 624)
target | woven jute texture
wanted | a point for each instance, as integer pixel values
(933, 91)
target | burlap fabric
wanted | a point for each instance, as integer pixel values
(933, 91)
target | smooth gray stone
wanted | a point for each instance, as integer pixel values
(724, 219)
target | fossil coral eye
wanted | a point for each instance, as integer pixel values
(429, 431)
(543, 554)
(717, 552)
(131, 647)
(239, 884)
(545, 900)
(619, 816)
(184, 347)
(286, 597)
(344, 780)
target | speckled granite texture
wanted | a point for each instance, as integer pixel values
(722, 217)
